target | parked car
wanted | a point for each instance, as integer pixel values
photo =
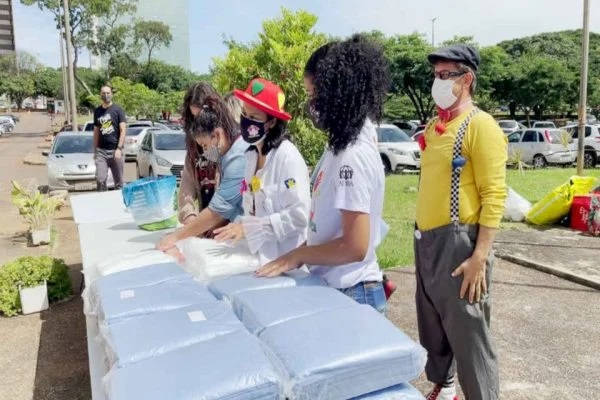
(527, 124)
(14, 117)
(544, 124)
(148, 124)
(509, 126)
(133, 140)
(591, 157)
(540, 147)
(407, 126)
(398, 151)
(161, 153)
(8, 123)
(2, 130)
(71, 162)
(89, 126)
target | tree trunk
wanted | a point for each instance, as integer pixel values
(77, 77)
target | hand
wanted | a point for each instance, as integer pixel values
(118, 154)
(231, 232)
(176, 253)
(167, 242)
(277, 267)
(473, 271)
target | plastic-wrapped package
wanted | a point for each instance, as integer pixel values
(399, 392)
(130, 279)
(136, 339)
(116, 306)
(226, 288)
(125, 262)
(516, 207)
(260, 309)
(344, 353)
(152, 202)
(207, 259)
(232, 366)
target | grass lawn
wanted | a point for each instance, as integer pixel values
(400, 206)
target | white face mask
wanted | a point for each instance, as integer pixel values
(442, 94)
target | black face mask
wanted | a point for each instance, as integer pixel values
(313, 114)
(252, 131)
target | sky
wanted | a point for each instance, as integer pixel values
(488, 21)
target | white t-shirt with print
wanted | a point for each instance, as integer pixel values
(352, 180)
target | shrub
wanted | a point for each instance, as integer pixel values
(29, 272)
(308, 139)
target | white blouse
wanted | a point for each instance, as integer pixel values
(276, 202)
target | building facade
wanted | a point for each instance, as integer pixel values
(7, 31)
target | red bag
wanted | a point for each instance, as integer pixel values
(580, 211)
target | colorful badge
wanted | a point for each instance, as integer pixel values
(290, 183)
(255, 184)
(244, 186)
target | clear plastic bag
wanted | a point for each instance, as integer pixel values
(151, 202)
(516, 207)
(207, 259)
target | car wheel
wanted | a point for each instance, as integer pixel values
(387, 166)
(539, 161)
(589, 161)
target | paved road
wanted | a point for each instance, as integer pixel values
(547, 330)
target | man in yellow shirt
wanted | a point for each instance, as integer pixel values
(459, 207)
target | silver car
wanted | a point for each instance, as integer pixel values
(71, 162)
(161, 153)
(509, 126)
(134, 138)
(540, 147)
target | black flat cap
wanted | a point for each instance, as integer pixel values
(458, 53)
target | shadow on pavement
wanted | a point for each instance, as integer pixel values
(62, 366)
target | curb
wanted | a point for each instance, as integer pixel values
(556, 271)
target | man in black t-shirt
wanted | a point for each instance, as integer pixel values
(109, 136)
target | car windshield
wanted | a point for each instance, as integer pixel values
(73, 144)
(134, 131)
(507, 124)
(392, 135)
(544, 125)
(169, 141)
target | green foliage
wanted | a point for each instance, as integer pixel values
(162, 77)
(36, 209)
(309, 140)
(136, 98)
(151, 34)
(29, 272)
(398, 107)
(48, 82)
(284, 46)
(17, 87)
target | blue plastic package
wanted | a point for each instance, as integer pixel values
(151, 202)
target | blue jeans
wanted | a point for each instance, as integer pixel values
(370, 293)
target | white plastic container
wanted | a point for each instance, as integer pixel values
(34, 299)
(39, 237)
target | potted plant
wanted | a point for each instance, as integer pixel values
(28, 284)
(37, 210)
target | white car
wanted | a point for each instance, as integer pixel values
(71, 163)
(161, 153)
(591, 143)
(540, 147)
(398, 151)
(509, 126)
(8, 123)
(133, 140)
(544, 125)
(89, 126)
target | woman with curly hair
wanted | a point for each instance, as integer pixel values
(200, 176)
(350, 86)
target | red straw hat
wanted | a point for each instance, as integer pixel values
(266, 96)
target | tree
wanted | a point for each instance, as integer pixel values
(111, 38)
(153, 35)
(125, 66)
(410, 71)
(163, 77)
(48, 82)
(17, 87)
(136, 98)
(81, 13)
(283, 47)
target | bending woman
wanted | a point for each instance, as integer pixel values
(215, 131)
(348, 184)
(276, 194)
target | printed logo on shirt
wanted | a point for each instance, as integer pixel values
(290, 183)
(346, 173)
(106, 125)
